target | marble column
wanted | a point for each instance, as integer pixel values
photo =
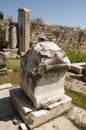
(12, 37)
(24, 30)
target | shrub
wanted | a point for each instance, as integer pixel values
(37, 21)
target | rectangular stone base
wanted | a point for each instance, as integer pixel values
(33, 117)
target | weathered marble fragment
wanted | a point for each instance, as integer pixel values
(42, 72)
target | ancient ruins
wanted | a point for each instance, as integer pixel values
(41, 95)
(16, 38)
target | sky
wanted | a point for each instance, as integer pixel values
(71, 13)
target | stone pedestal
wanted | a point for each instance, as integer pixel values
(42, 74)
(33, 117)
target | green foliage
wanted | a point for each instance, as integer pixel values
(37, 21)
(11, 78)
(56, 33)
(77, 98)
(75, 55)
(68, 78)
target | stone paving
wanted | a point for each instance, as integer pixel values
(78, 115)
(8, 113)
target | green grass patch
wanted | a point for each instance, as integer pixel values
(77, 98)
(14, 77)
(68, 78)
(75, 55)
(13, 64)
(11, 78)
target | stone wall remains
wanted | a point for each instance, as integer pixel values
(62, 35)
(24, 33)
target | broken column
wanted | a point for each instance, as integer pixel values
(24, 30)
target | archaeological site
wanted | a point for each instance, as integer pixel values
(49, 85)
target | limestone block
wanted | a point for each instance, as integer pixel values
(77, 67)
(23, 126)
(33, 117)
(42, 72)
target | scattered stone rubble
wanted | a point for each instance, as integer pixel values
(26, 33)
